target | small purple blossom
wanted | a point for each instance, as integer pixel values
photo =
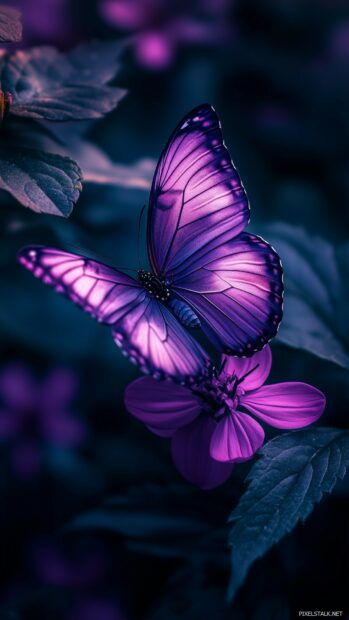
(162, 27)
(82, 571)
(210, 423)
(35, 415)
(48, 21)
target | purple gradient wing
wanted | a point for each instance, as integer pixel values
(197, 200)
(144, 329)
(103, 292)
(236, 290)
(154, 340)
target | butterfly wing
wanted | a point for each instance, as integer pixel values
(197, 199)
(197, 213)
(236, 290)
(144, 329)
(154, 340)
(99, 290)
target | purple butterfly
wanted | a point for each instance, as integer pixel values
(205, 270)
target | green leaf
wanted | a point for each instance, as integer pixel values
(293, 473)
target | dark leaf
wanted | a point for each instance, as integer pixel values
(10, 25)
(97, 61)
(164, 521)
(96, 165)
(193, 592)
(99, 168)
(189, 595)
(136, 516)
(43, 182)
(293, 473)
(316, 293)
(48, 84)
(74, 472)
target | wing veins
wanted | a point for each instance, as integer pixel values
(228, 317)
(202, 217)
(212, 174)
(199, 250)
(168, 164)
(173, 235)
(221, 312)
(203, 154)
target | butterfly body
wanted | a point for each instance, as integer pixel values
(184, 313)
(206, 270)
(155, 286)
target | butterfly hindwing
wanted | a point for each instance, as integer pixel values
(237, 293)
(155, 340)
(145, 330)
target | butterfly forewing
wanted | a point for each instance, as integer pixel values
(145, 330)
(103, 292)
(197, 213)
(197, 198)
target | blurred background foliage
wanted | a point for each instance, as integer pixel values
(277, 73)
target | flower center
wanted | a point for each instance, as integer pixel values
(156, 287)
(5, 104)
(221, 395)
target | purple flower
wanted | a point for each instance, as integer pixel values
(48, 21)
(162, 27)
(36, 415)
(209, 426)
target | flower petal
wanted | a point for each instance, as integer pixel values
(191, 454)
(241, 366)
(155, 49)
(8, 424)
(58, 389)
(236, 438)
(59, 428)
(26, 458)
(161, 405)
(286, 405)
(18, 388)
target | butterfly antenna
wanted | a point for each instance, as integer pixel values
(139, 234)
(105, 260)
